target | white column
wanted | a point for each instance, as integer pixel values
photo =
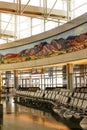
(70, 76)
(15, 78)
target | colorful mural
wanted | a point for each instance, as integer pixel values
(44, 49)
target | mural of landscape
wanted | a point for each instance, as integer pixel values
(44, 49)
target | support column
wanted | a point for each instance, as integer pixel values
(70, 76)
(8, 76)
(1, 105)
(15, 79)
(82, 76)
(0, 87)
(64, 71)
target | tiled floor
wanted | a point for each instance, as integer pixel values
(22, 118)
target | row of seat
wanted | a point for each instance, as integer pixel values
(75, 105)
(60, 101)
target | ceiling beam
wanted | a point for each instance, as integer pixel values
(25, 7)
(7, 34)
(31, 11)
(52, 8)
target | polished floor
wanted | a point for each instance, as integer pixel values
(23, 118)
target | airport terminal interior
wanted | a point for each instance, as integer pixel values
(43, 64)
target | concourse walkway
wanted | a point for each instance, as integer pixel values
(19, 117)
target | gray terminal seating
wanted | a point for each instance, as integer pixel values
(59, 101)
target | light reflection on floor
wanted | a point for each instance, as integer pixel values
(23, 118)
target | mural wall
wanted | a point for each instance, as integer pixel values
(67, 42)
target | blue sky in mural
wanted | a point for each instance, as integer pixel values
(76, 31)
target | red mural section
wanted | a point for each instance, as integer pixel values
(45, 49)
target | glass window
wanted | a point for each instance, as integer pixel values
(49, 25)
(22, 26)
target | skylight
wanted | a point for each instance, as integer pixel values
(18, 24)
